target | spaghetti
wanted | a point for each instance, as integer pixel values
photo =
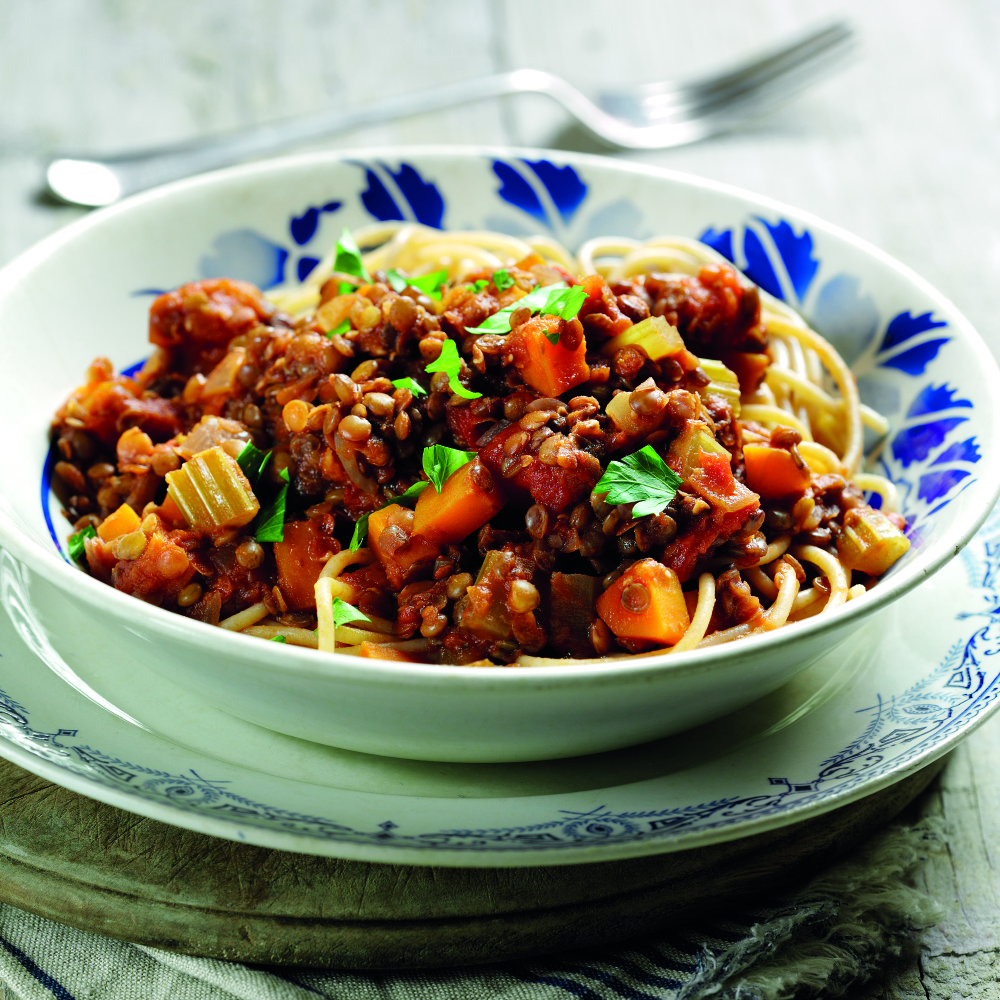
(517, 377)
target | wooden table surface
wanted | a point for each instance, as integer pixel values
(902, 148)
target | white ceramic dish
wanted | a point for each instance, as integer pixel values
(914, 681)
(82, 292)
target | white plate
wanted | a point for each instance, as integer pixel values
(918, 678)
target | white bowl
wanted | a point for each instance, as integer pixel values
(85, 291)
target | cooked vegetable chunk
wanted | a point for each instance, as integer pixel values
(211, 491)
(549, 368)
(645, 603)
(122, 522)
(773, 472)
(870, 542)
(654, 336)
(462, 506)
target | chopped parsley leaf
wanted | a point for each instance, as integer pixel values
(440, 462)
(449, 361)
(478, 286)
(284, 474)
(77, 550)
(348, 259)
(500, 322)
(344, 613)
(408, 383)
(361, 527)
(253, 461)
(278, 638)
(564, 303)
(269, 524)
(502, 280)
(429, 284)
(642, 478)
(339, 331)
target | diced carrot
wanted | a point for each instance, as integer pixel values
(298, 570)
(459, 509)
(378, 651)
(646, 603)
(773, 472)
(548, 367)
(169, 511)
(532, 260)
(122, 522)
(399, 553)
(716, 484)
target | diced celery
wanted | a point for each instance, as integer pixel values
(870, 542)
(724, 383)
(211, 491)
(654, 336)
(690, 443)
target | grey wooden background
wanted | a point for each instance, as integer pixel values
(903, 148)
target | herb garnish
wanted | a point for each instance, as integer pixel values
(440, 462)
(339, 331)
(348, 259)
(430, 284)
(502, 280)
(361, 527)
(564, 303)
(253, 461)
(478, 285)
(77, 550)
(270, 521)
(278, 638)
(344, 613)
(642, 478)
(499, 322)
(408, 383)
(449, 361)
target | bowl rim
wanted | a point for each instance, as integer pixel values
(304, 662)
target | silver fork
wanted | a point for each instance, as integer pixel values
(651, 116)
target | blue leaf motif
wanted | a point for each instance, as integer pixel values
(720, 242)
(563, 184)
(845, 316)
(916, 359)
(934, 485)
(303, 227)
(932, 399)
(759, 267)
(904, 326)
(516, 191)
(423, 196)
(305, 267)
(378, 201)
(915, 443)
(796, 252)
(961, 451)
(247, 256)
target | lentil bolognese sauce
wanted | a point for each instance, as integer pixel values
(471, 449)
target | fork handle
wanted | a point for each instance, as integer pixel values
(102, 181)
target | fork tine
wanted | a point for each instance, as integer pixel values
(784, 70)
